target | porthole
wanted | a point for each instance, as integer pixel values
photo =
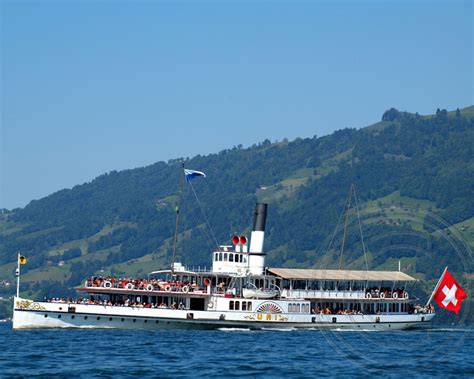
(59, 316)
(85, 317)
(98, 318)
(45, 316)
(110, 318)
(145, 321)
(72, 317)
(122, 319)
(134, 320)
(156, 322)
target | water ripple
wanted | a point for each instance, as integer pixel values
(228, 352)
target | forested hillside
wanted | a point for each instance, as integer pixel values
(414, 177)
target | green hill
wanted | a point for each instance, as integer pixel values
(414, 177)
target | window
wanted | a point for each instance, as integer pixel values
(231, 257)
(244, 305)
(220, 257)
(245, 259)
(249, 305)
(290, 307)
(231, 305)
(237, 305)
(298, 308)
(241, 257)
(225, 257)
(216, 256)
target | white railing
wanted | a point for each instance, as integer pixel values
(318, 294)
(299, 294)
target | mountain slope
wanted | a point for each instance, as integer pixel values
(414, 179)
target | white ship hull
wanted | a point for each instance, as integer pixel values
(59, 315)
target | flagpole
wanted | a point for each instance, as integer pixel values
(437, 285)
(176, 230)
(18, 276)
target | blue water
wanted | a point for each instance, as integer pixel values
(235, 353)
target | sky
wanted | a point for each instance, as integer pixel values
(88, 86)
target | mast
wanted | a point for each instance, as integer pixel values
(348, 205)
(176, 230)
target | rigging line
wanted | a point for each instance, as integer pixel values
(360, 230)
(187, 209)
(347, 207)
(204, 215)
(335, 230)
(207, 237)
(184, 223)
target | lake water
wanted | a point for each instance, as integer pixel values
(235, 353)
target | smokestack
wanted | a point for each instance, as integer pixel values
(256, 255)
(259, 217)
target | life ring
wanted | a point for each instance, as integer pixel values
(405, 295)
(168, 288)
(395, 295)
(149, 287)
(207, 281)
(130, 286)
(185, 289)
(210, 305)
(106, 284)
(368, 295)
(382, 295)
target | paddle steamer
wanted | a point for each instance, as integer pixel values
(239, 291)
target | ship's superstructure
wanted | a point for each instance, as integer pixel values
(239, 291)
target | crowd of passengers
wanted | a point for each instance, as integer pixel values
(141, 284)
(129, 303)
(120, 303)
(412, 309)
(386, 292)
(329, 311)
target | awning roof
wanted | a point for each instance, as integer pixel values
(176, 272)
(297, 273)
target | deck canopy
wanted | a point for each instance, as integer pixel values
(313, 274)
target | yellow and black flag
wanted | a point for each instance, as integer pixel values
(22, 260)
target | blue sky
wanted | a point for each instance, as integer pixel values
(93, 86)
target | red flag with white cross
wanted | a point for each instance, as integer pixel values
(449, 294)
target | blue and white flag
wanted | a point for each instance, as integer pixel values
(191, 174)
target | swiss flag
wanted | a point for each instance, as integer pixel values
(449, 293)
